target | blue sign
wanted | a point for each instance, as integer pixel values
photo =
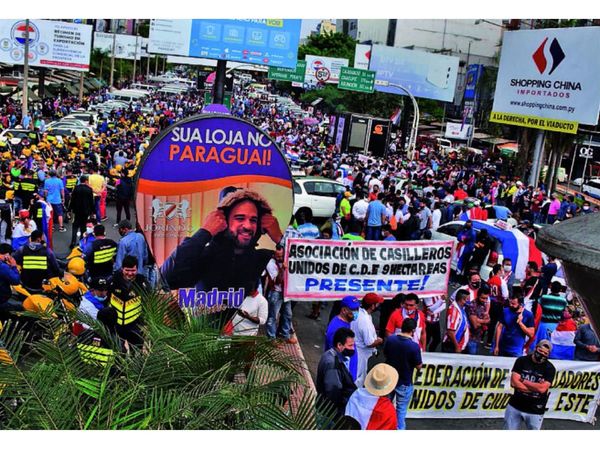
(474, 72)
(271, 42)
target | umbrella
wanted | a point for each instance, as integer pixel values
(211, 77)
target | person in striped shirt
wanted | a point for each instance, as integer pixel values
(457, 324)
(553, 306)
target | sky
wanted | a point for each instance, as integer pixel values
(309, 25)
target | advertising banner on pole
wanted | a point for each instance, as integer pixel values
(474, 72)
(425, 75)
(324, 269)
(548, 79)
(54, 45)
(322, 69)
(124, 45)
(213, 196)
(453, 386)
(271, 42)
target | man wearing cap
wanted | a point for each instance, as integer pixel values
(348, 313)
(366, 337)
(404, 355)
(531, 379)
(370, 406)
(94, 299)
(37, 262)
(346, 209)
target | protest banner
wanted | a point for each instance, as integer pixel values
(323, 269)
(466, 387)
(213, 196)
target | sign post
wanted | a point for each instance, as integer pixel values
(358, 80)
(284, 74)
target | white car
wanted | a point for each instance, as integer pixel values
(318, 194)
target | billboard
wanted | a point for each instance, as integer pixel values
(548, 79)
(425, 75)
(457, 131)
(54, 45)
(324, 269)
(362, 55)
(474, 72)
(272, 42)
(213, 197)
(322, 69)
(124, 45)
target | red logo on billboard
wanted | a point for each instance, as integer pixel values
(556, 52)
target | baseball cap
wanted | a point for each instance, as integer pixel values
(350, 302)
(125, 224)
(99, 283)
(372, 298)
(545, 343)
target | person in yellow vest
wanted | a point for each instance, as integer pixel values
(37, 262)
(125, 298)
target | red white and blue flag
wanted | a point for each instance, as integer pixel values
(563, 340)
(395, 118)
(372, 412)
(21, 33)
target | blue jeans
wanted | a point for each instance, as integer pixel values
(472, 347)
(513, 418)
(373, 233)
(278, 306)
(403, 395)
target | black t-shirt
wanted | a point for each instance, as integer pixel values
(532, 402)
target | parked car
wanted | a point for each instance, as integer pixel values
(592, 188)
(318, 194)
(15, 135)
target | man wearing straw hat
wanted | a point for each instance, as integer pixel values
(371, 406)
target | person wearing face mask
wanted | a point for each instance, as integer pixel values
(348, 313)
(409, 310)
(515, 326)
(404, 355)
(498, 295)
(531, 378)
(334, 382)
(472, 287)
(366, 336)
(508, 274)
(586, 208)
(94, 300)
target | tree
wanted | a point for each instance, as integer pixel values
(100, 63)
(335, 45)
(187, 376)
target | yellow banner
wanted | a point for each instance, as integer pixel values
(563, 126)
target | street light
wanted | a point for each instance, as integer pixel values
(412, 141)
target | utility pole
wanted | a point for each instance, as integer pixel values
(135, 58)
(24, 97)
(147, 66)
(112, 61)
(155, 65)
(219, 87)
(81, 88)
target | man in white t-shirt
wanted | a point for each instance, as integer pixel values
(366, 339)
(359, 210)
(252, 313)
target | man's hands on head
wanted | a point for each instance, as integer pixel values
(215, 222)
(270, 225)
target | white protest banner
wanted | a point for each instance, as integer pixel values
(324, 269)
(467, 387)
(54, 45)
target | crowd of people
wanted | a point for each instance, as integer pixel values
(49, 184)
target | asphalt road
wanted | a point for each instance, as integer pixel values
(311, 335)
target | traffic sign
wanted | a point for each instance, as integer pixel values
(322, 74)
(358, 80)
(283, 74)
